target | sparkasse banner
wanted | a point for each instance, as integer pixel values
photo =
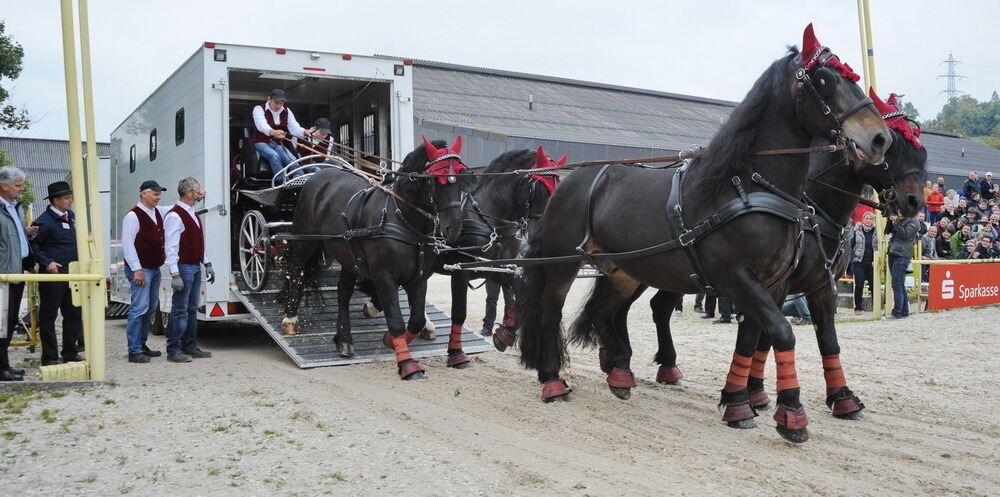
(963, 285)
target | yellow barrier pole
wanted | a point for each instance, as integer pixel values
(76, 155)
(864, 43)
(869, 46)
(97, 296)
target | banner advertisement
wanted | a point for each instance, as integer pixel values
(963, 285)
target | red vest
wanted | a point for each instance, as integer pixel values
(149, 240)
(282, 124)
(192, 245)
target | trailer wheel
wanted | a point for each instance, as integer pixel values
(255, 246)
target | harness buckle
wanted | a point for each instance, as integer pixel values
(687, 237)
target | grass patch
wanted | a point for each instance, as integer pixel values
(109, 402)
(220, 429)
(272, 433)
(57, 395)
(338, 477)
(9, 435)
(48, 415)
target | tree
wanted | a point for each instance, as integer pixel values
(910, 110)
(11, 55)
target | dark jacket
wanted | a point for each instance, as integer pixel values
(55, 241)
(971, 186)
(904, 236)
(986, 189)
(943, 247)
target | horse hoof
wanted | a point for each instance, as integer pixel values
(411, 370)
(288, 329)
(498, 343)
(623, 393)
(369, 310)
(346, 353)
(795, 436)
(419, 375)
(428, 334)
(557, 398)
(853, 416)
(458, 360)
(743, 424)
(555, 391)
(462, 365)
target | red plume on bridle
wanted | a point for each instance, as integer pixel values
(895, 118)
(548, 178)
(812, 49)
(444, 162)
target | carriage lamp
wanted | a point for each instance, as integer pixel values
(398, 70)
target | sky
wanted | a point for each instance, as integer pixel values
(705, 48)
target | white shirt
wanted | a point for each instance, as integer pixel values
(261, 122)
(58, 212)
(130, 228)
(173, 226)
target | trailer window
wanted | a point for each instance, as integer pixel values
(179, 127)
(152, 145)
(344, 134)
(131, 159)
(368, 134)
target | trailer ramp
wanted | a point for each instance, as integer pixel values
(313, 346)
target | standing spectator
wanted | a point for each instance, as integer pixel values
(142, 246)
(935, 204)
(699, 303)
(55, 247)
(185, 252)
(865, 246)
(796, 305)
(493, 290)
(943, 243)
(971, 185)
(940, 184)
(15, 256)
(986, 187)
(904, 236)
(928, 250)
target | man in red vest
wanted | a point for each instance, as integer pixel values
(274, 123)
(142, 245)
(185, 253)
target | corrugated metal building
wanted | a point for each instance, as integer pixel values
(496, 111)
(44, 162)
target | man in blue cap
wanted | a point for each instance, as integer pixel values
(274, 123)
(143, 247)
(55, 247)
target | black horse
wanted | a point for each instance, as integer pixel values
(754, 195)
(834, 189)
(497, 215)
(385, 238)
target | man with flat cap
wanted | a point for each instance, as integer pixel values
(274, 123)
(54, 247)
(143, 246)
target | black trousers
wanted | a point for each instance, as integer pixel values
(863, 272)
(492, 297)
(13, 306)
(53, 298)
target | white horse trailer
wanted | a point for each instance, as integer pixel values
(197, 122)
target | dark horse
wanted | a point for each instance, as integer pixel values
(800, 97)
(376, 236)
(497, 214)
(835, 186)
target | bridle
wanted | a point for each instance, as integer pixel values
(805, 74)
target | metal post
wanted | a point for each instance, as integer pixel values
(864, 43)
(97, 295)
(869, 47)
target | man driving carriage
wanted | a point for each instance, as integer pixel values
(273, 124)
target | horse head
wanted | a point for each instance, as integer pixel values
(901, 179)
(450, 179)
(541, 185)
(830, 103)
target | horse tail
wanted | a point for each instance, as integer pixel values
(592, 322)
(538, 324)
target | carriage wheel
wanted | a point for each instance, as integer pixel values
(255, 246)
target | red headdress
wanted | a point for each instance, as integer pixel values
(895, 118)
(548, 178)
(444, 162)
(812, 51)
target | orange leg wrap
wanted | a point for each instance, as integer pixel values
(508, 318)
(739, 372)
(455, 338)
(399, 344)
(785, 364)
(757, 367)
(833, 373)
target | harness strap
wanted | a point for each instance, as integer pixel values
(686, 238)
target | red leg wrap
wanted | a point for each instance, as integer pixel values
(757, 367)
(759, 398)
(833, 373)
(738, 412)
(457, 359)
(784, 362)
(621, 378)
(668, 375)
(406, 370)
(455, 337)
(505, 335)
(387, 338)
(602, 356)
(508, 318)
(554, 388)
(739, 372)
(793, 419)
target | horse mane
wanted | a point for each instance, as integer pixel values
(497, 193)
(730, 151)
(511, 161)
(416, 161)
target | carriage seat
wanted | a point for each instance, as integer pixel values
(253, 167)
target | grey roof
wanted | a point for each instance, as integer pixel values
(950, 154)
(568, 110)
(43, 161)
(562, 109)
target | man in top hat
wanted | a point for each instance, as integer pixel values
(15, 256)
(54, 247)
(142, 246)
(274, 123)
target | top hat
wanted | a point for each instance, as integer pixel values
(58, 189)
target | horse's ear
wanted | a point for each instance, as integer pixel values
(541, 160)
(893, 101)
(457, 147)
(432, 151)
(880, 106)
(562, 160)
(809, 44)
